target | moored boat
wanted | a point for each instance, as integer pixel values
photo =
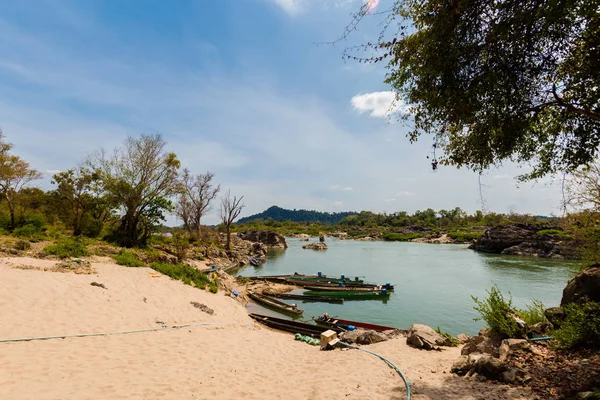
(343, 288)
(299, 282)
(352, 295)
(350, 325)
(293, 326)
(325, 299)
(275, 304)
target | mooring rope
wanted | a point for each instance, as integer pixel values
(388, 362)
(162, 328)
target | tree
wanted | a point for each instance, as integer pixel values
(230, 209)
(78, 190)
(15, 174)
(496, 80)
(138, 178)
(195, 198)
(582, 189)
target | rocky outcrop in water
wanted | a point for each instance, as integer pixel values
(585, 286)
(268, 238)
(315, 246)
(524, 240)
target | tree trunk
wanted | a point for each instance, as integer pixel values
(11, 209)
(228, 244)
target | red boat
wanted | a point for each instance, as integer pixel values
(346, 324)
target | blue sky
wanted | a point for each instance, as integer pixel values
(237, 87)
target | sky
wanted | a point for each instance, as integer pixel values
(243, 88)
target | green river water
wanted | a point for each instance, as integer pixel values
(434, 283)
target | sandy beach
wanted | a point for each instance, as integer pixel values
(231, 357)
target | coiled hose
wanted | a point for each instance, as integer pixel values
(388, 362)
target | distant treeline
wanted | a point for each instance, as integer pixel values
(305, 216)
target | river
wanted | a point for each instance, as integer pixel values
(433, 283)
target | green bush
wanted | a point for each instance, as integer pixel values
(555, 232)
(22, 245)
(188, 275)
(69, 247)
(534, 313)
(581, 327)
(464, 236)
(401, 237)
(447, 335)
(29, 232)
(128, 259)
(496, 312)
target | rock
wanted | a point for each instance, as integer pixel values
(443, 239)
(524, 240)
(483, 344)
(322, 238)
(461, 366)
(539, 329)
(268, 238)
(424, 337)
(305, 239)
(315, 246)
(487, 366)
(462, 338)
(510, 375)
(585, 286)
(555, 315)
(362, 336)
(511, 347)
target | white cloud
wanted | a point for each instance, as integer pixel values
(378, 104)
(389, 200)
(342, 188)
(404, 194)
(291, 7)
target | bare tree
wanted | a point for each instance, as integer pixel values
(15, 174)
(230, 209)
(195, 198)
(582, 189)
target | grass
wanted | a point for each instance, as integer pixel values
(69, 247)
(555, 232)
(128, 259)
(401, 237)
(188, 275)
(447, 335)
(534, 313)
(22, 245)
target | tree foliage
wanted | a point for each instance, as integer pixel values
(276, 213)
(139, 177)
(496, 81)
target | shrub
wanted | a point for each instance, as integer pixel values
(581, 327)
(128, 259)
(22, 245)
(554, 232)
(29, 232)
(188, 275)
(401, 237)
(181, 244)
(70, 247)
(464, 236)
(534, 313)
(496, 312)
(447, 335)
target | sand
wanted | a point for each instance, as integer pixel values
(234, 358)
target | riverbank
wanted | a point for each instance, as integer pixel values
(233, 357)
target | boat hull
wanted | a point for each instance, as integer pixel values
(275, 304)
(325, 299)
(292, 326)
(345, 323)
(351, 295)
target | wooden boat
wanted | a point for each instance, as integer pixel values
(298, 282)
(275, 304)
(303, 297)
(346, 323)
(254, 262)
(293, 326)
(325, 279)
(343, 289)
(270, 278)
(352, 295)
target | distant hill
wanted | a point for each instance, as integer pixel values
(281, 214)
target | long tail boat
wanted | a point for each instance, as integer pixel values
(352, 295)
(292, 326)
(325, 279)
(299, 282)
(275, 304)
(343, 289)
(346, 324)
(304, 297)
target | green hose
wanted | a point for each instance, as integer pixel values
(389, 363)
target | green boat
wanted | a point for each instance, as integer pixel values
(325, 279)
(351, 295)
